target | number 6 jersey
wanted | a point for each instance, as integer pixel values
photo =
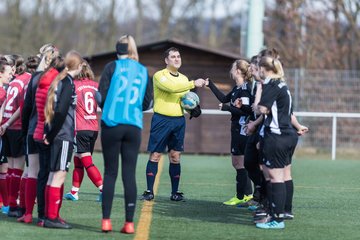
(86, 106)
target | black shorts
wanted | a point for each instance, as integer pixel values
(167, 132)
(3, 159)
(31, 146)
(60, 155)
(13, 143)
(278, 149)
(238, 141)
(85, 141)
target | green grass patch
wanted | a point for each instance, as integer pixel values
(326, 205)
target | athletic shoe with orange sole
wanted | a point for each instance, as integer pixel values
(128, 228)
(106, 225)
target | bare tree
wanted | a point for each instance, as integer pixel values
(165, 7)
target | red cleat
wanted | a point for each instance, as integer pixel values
(25, 218)
(128, 228)
(106, 225)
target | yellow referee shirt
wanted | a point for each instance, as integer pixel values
(168, 90)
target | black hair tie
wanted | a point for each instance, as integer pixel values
(122, 48)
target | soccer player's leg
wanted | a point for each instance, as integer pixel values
(42, 188)
(238, 143)
(111, 165)
(176, 146)
(61, 152)
(289, 184)
(3, 185)
(77, 178)
(31, 183)
(276, 159)
(129, 155)
(157, 143)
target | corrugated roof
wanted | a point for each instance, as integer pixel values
(167, 42)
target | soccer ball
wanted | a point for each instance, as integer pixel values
(189, 100)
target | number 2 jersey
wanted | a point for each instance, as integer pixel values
(15, 98)
(86, 107)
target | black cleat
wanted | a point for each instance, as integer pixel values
(147, 195)
(56, 223)
(14, 212)
(178, 196)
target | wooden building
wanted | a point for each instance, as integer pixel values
(208, 133)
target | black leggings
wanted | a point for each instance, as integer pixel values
(124, 140)
(43, 175)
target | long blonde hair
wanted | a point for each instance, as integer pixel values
(72, 61)
(132, 49)
(244, 67)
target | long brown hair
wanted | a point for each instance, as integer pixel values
(72, 61)
(86, 72)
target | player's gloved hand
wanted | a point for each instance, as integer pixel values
(196, 112)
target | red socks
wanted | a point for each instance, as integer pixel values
(78, 173)
(4, 189)
(54, 199)
(14, 186)
(92, 171)
(22, 192)
(30, 195)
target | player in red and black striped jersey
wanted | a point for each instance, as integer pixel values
(5, 76)
(12, 136)
(86, 127)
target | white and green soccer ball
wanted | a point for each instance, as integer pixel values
(189, 101)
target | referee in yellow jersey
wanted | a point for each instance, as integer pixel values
(168, 122)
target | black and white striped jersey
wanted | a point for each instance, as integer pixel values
(276, 97)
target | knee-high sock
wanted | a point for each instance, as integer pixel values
(269, 196)
(4, 189)
(92, 171)
(248, 187)
(46, 199)
(61, 199)
(54, 196)
(78, 174)
(30, 195)
(14, 186)
(289, 185)
(174, 172)
(22, 203)
(278, 201)
(241, 182)
(151, 171)
(8, 179)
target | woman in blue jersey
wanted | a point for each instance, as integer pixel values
(125, 93)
